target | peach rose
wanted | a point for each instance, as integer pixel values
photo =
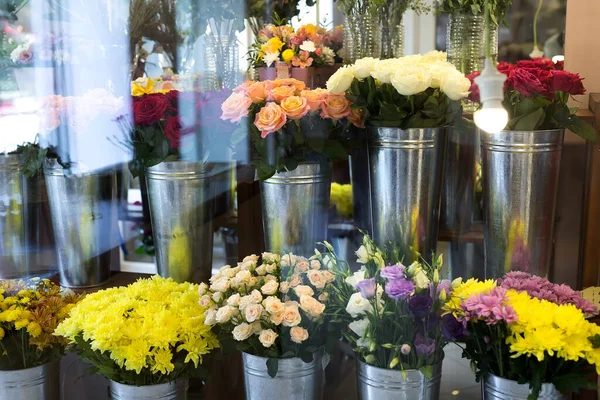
(269, 119)
(314, 98)
(281, 92)
(357, 117)
(335, 106)
(295, 83)
(291, 316)
(311, 306)
(235, 107)
(295, 107)
(298, 334)
(257, 92)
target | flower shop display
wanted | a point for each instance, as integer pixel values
(374, 28)
(142, 337)
(391, 314)
(527, 338)
(273, 308)
(407, 102)
(293, 133)
(30, 312)
(174, 125)
(260, 13)
(520, 207)
(309, 54)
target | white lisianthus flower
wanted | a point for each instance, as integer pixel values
(364, 67)
(270, 58)
(413, 80)
(359, 327)
(270, 287)
(421, 280)
(357, 277)
(267, 337)
(224, 314)
(242, 332)
(362, 343)
(298, 334)
(358, 305)
(308, 45)
(362, 254)
(455, 85)
(341, 80)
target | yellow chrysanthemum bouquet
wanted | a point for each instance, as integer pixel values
(341, 199)
(147, 333)
(524, 328)
(30, 311)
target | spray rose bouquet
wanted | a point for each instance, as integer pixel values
(390, 313)
(30, 312)
(408, 92)
(288, 124)
(146, 333)
(536, 93)
(526, 329)
(274, 308)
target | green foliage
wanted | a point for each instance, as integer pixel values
(150, 147)
(17, 353)
(381, 7)
(498, 8)
(33, 156)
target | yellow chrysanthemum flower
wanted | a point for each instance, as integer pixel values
(287, 56)
(1, 333)
(273, 45)
(341, 198)
(465, 290)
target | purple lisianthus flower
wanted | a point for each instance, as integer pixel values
(452, 328)
(443, 284)
(428, 324)
(393, 272)
(424, 346)
(399, 289)
(367, 288)
(420, 306)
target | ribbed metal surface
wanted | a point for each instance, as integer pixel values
(39, 383)
(496, 388)
(166, 391)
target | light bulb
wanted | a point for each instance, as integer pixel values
(492, 117)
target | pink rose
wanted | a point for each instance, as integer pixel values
(281, 92)
(269, 119)
(314, 98)
(236, 107)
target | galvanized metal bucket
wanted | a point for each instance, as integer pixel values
(84, 217)
(406, 170)
(520, 185)
(39, 383)
(295, 208)
(176, 390)
(496, 388)
(387, 384)
(181, 203)
(295, 379)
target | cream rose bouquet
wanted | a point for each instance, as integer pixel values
(289, 124)
(271, 306)
(417, 91)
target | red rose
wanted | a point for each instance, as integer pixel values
(542, 63)
(505, 67)
(149, 109)
(525, 82)
(568, 82)
(544, 76)
(173, 131)
(474, 90)
(559, 66)
(172, 101)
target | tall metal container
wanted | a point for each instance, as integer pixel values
(406, 170)
(84, 216)
(39, 383)
(176, 390)
(496, 388)
(180, 196)
(520, 185)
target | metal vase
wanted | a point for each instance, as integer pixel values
(520, 185)
(39, 383)
(176, 390)
(84, 217)
(361, 186)
(180, 195)
(387, 384)
(295, 379)
(296, 208)
(496, 388)
(406, 169)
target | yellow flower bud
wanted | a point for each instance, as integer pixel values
(394, 362)
(370, 359)
(436, 275)
(443, 295)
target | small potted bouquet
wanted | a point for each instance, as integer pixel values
(293, 133)
(272, 308)
(527, 338)
(142, 337)
(408, 103)
(391, 314)
(30, 312)
(536, 95)
(308, 54)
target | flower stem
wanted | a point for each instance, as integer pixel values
(535, 18)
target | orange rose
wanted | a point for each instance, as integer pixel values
(281, 92)
(335, 106)
(257, 92)
(357, 117)
(295, 107)
(315, 98)
(295, 83)
(269, 119)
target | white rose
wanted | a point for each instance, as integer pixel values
(267, 337)
(210, 317)
(202, 288)
(359, 327)
(234, 300)
(224, 268)
(252, 281)
(256, 327)
(455, 85)
(295, 280)
(357, 277)
(291, 316)
(243, 276)
(315, 264)
(205, 300)
(231, 272)
(301, 267)
(242, 332)
(438, 71)
(270, 287)
(256, 297)
(303, 290)
(217, 297)
(245, 302)
(270, 257)
(261, 270)
(220, 285)
(247, 265)
(384, 69)
(421, 280)
(224, 314)
(277, 318)
(311, 306)
(273, 305)
(341, 80)
(308, 45)
(362, 254)
(271, 268)
(284, 287)
(250, 258)
(269, 278)
(316, 278)
(328, 276)
(252, 312)
(364, 66)
(434, 56)
(411, 80)
(286, 260)
(358, 305)
(298, 334)
(215, 277)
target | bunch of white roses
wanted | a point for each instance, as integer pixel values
(273, 305)
(408, 75)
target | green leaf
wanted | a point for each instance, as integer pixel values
(530, 122)
(582, 129)
(272, 367)
(427, 371)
